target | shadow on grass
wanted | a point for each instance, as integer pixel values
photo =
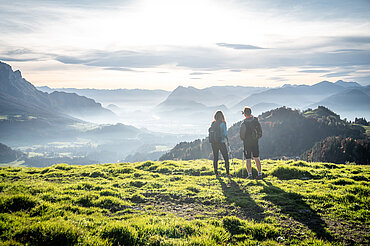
(242, 199)
(293, 204)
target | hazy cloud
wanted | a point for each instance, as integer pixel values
(314, 71)
(8, 59)
(277, 78)
(311, 10)
(119, 69)
(214, 59)
(356, 39)
(239, 46)
(347, 50)
(338, 74)
(198, 73)
(18, 52)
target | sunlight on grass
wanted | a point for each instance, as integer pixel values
(183, 203)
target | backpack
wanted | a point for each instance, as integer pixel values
(214, 133)
(252, 130)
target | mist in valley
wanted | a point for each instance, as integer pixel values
(86, 126)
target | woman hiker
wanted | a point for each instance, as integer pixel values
(218, 138)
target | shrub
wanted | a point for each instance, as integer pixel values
(164, 170)
(360, 178)
(342, 181)
(301, 164)
(39, 210)
(49, 233)
(17, 203)
(124, 170)
(138, 198)
(119, 234)
(193, 189)
(111, 203)
(109, 193)
(145, 165)
(232, 225)
(261, 231)
(290, 173)
(86, 200)
(88, 186)
(138, 183)
(63, 166)
(97, 174)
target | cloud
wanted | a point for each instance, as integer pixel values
(310, 10)
(314, 71)
(347, 50)
(71, 60)
(338, 74)
(8, 59)
(18, 52)
(277, 78)
(356, 39)
(364, 80)
(198, 73)
(331, 53)
(215, 59)
(119, 69)
(239, 46)
(190, 57)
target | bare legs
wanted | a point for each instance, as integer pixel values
(248, 163)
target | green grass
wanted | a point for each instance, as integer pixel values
(183, 203)
(366, 128)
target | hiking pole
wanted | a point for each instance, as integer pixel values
(243, 165)
(232, 159)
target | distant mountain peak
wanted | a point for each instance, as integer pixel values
(324, 83)
(347, 84)
(18, 73)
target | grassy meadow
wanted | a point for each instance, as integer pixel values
(183, 203)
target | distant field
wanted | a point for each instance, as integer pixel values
(12, 164)
(183, 203)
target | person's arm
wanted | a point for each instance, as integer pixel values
(259, 129)
(242, 131)
(223, 130)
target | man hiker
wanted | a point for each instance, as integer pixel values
(250, 132)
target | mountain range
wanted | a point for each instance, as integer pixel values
(116, 96)
(43, 115)
(189, 104)
(18, 96)
(59, 125)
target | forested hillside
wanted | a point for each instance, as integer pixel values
(339, 150)
(286, 132)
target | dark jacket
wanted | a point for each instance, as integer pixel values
(250, 129)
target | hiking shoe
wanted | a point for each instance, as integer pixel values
(250, 177)
(260, 177)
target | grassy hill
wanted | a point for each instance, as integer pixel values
(183, 203)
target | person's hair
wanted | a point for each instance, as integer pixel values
(247, 111)
(219, 116)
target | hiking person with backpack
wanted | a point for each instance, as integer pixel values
(217, 138)
(250, 132)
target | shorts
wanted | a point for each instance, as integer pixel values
(251, 147)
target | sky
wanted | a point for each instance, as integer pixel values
(166, 43)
